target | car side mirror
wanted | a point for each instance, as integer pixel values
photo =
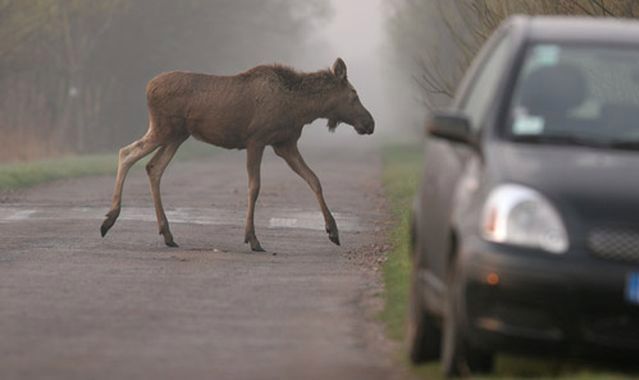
(452, 126)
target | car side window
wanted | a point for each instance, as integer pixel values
(482, 91)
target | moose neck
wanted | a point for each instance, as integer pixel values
(313, 95)
(310, 106)
(313, 107)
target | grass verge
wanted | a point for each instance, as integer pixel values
(400, 177)
(25, 174)
(402, 170)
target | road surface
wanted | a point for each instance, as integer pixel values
(76, 306)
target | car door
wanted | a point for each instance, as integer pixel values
(445, 161)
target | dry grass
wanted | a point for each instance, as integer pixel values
(23, 174)
(22, 146)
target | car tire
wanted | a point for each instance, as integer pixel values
(423, 335)
(458, 357)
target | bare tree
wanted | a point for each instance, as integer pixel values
(438, 39)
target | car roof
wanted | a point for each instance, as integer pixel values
(577, 29)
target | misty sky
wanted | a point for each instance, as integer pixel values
(356, 32)
(356, 23)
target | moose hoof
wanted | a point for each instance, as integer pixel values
(111, 216)
(256, 247)
(255, 244)
(105, 228)
(332, 231)
(171, 244)
(168, 238)
(334, 237)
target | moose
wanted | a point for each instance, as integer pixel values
(266, 105)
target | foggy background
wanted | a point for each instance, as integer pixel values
(73, 72)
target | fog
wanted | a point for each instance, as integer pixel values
(357, 31)
(354, 33)
(73, 74)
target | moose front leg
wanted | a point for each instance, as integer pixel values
(293, 158)
(253, 163)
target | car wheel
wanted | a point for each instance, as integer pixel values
(459, 358)
(423, 335)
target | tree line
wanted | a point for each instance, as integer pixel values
(73, 72)
(436, 40)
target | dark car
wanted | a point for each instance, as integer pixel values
(525, 229)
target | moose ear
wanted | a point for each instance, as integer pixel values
(339, 68)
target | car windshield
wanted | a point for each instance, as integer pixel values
(577, 94)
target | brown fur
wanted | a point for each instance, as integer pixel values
(266, 105)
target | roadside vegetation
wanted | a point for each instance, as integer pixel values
(25, 174)
(419, 29)
(400, 177)
(402, 169)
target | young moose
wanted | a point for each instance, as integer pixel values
(266, 105)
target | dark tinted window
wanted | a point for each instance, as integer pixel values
(585, 92)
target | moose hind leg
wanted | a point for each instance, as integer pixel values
(155, 168)
(253, 163)
(127, 157)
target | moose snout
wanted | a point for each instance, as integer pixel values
(369, 125)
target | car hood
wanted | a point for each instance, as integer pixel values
(598, 185)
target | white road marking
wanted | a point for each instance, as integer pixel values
(283, 218)
(21, 215)
(282, 222)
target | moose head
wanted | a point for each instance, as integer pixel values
(347, 107)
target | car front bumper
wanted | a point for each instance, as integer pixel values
(547, 303)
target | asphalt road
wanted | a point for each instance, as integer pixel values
(76, 306)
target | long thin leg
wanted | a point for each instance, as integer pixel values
(155, 168)
(128, 156)
(293, 158)
(253, 163)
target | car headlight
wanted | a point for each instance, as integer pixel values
(519, 215)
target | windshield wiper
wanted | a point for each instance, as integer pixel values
(561, 139)
(625, 144)
(577, 140)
